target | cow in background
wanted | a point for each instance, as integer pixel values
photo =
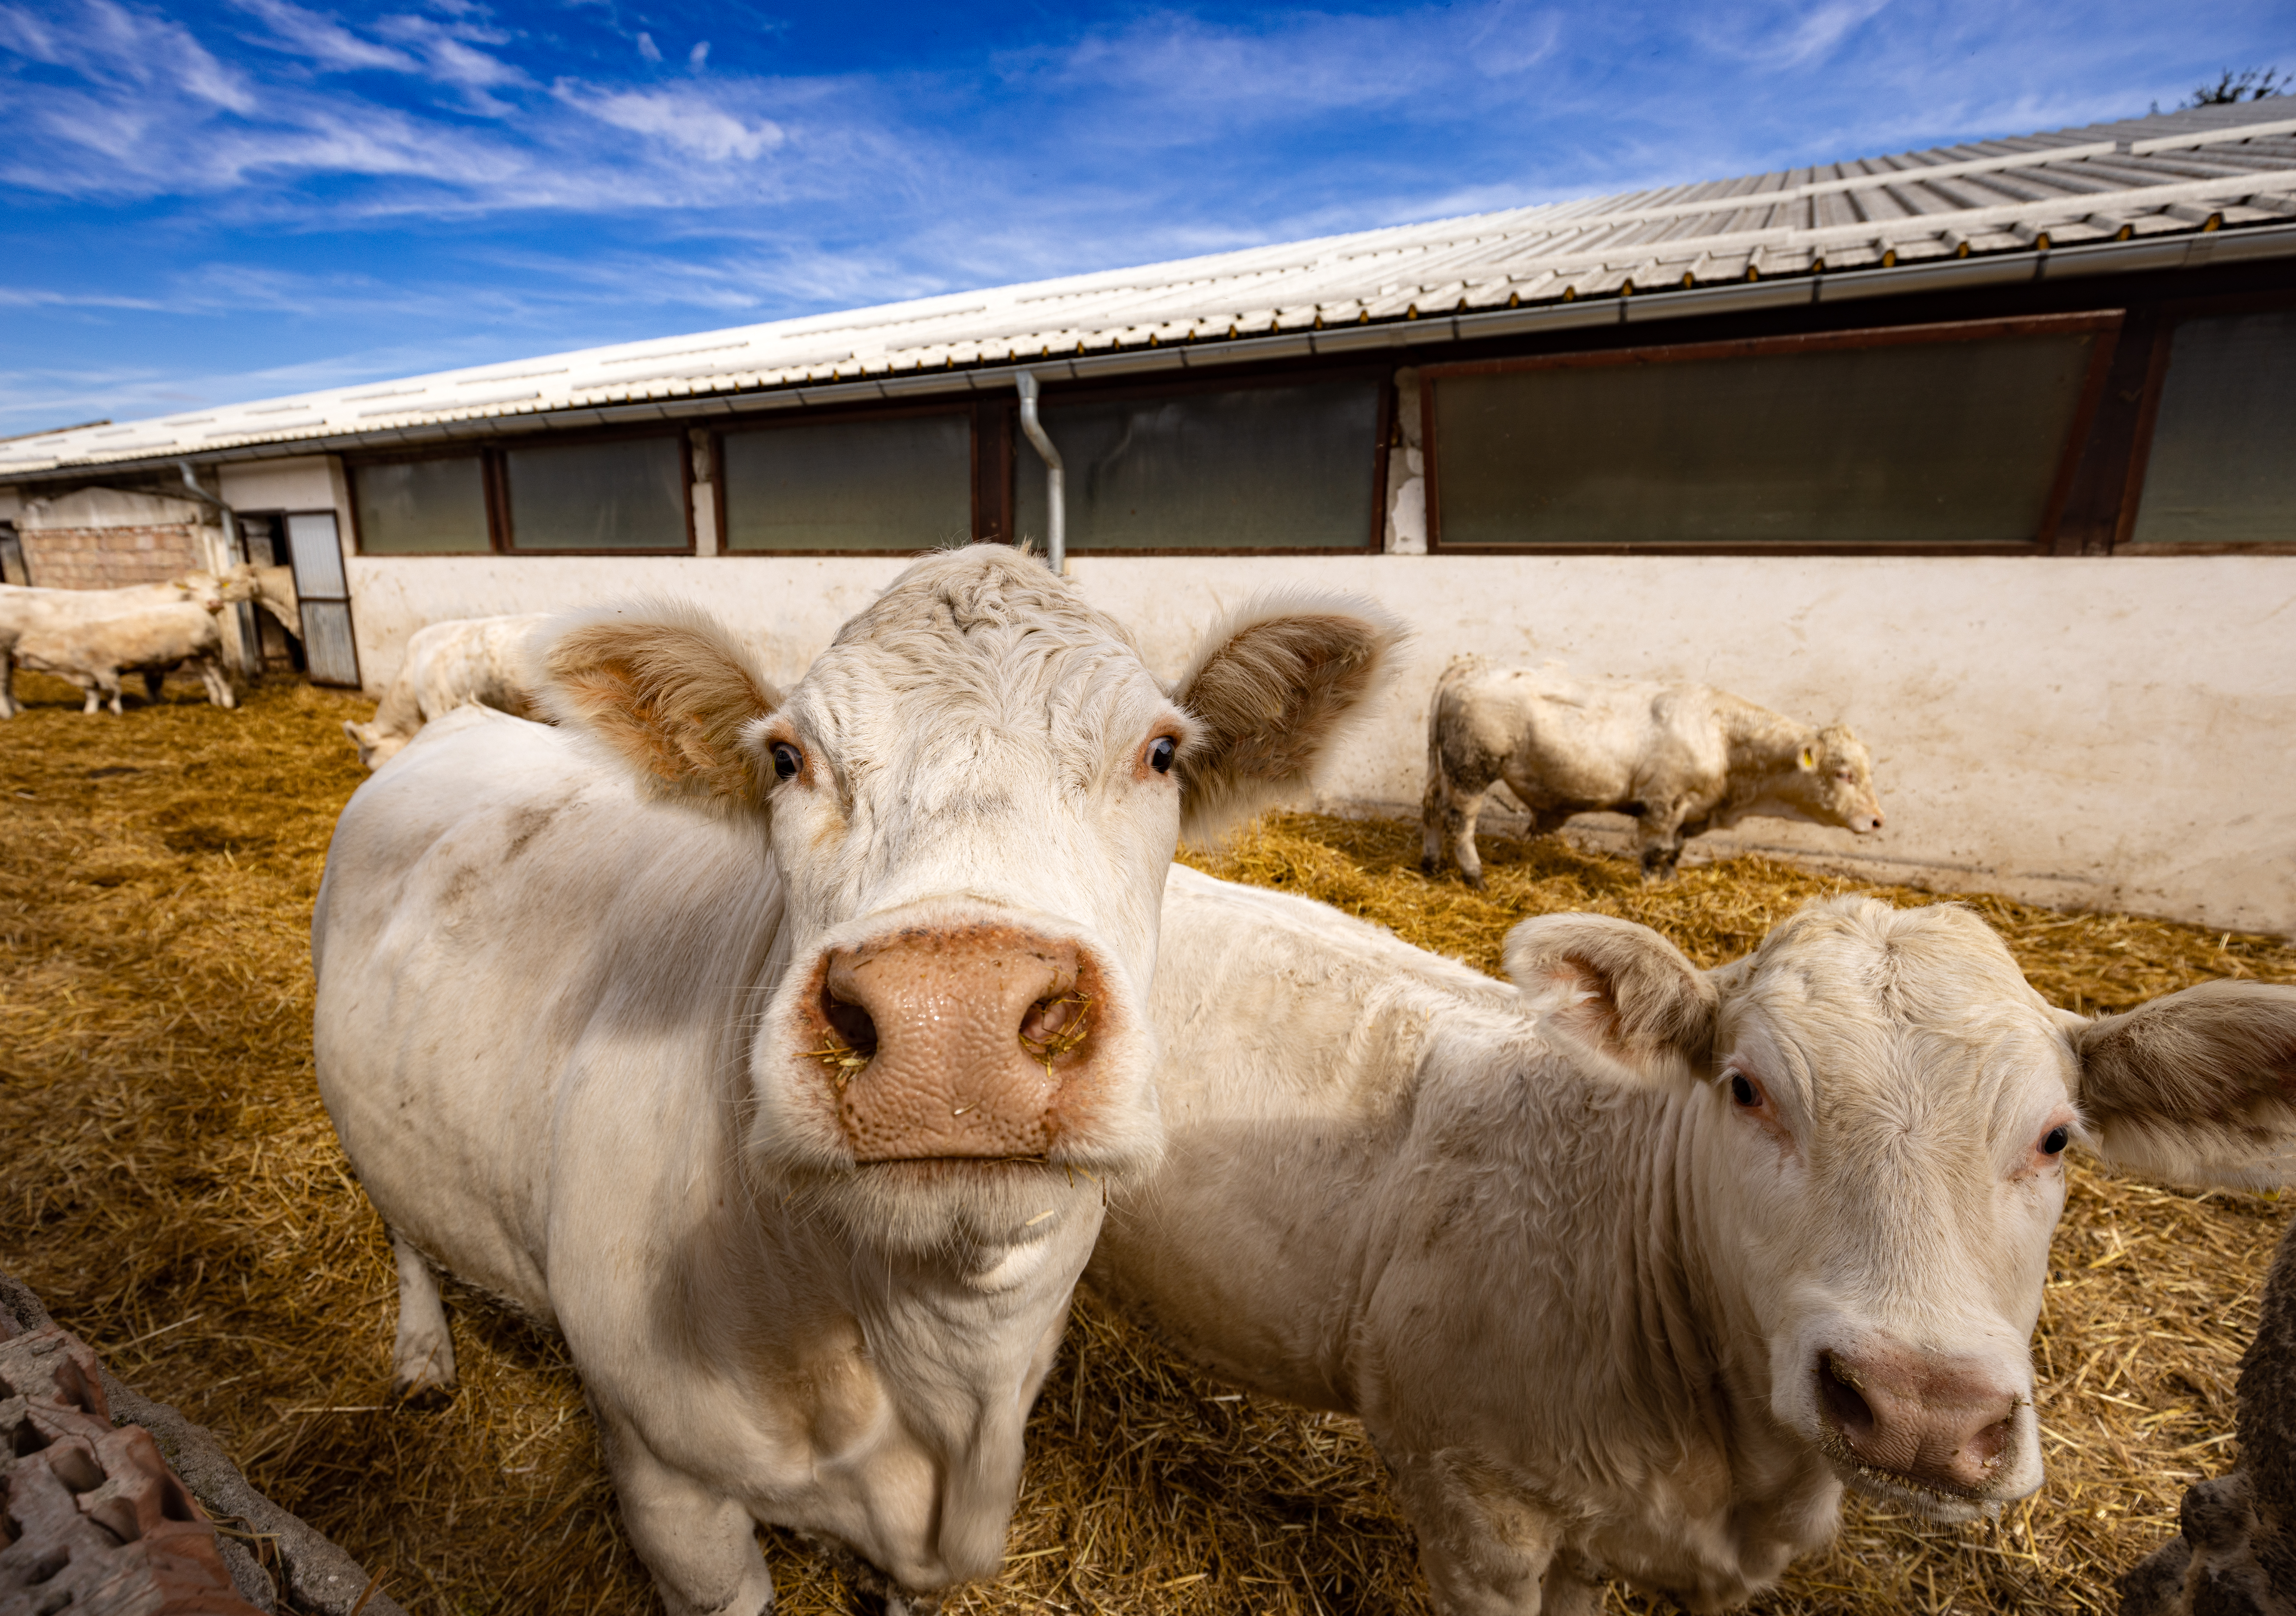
(1682, 758)
(1630, 1268)
(462, 661)
(778, 1051)
(50, 613)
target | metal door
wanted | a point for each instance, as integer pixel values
(314, 549)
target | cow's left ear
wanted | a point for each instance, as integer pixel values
(2197, 1088)
(1619, 987)
(667, 690)
(1276, 688)
(1808, 758)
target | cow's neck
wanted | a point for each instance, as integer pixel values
(1765, 753)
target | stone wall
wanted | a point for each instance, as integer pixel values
(105, 538)
(109, 558)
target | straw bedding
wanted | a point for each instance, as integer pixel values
(170, 1185)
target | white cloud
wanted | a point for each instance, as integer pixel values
(698, 57)
(683, 118)
(648, 49)
(323, 40)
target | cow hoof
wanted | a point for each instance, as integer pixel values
(1473, 878)
(1427, 865)
(423, 1390)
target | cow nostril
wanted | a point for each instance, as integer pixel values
(1989, 1444)
(1853, 1416)
(851, 1023)
(848, 1041)
(1055, 1025)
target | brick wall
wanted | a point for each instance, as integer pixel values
(108, 558)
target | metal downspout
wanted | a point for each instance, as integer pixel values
(1056, 539)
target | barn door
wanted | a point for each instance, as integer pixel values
(316, 550)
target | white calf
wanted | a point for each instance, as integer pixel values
(481, 660)
(1682, 758)
(1627, 1275)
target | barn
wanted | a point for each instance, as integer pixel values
(1983, 449)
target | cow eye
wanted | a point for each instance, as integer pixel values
(1742, 1092)
(2054, 1141)
(1160, 752)
(786, 762)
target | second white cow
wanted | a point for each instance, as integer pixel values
(47, 613)
(779, 1051)
(1628, 1273)
(1681, 758)
(464, 661)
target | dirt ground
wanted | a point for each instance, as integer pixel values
(170, 1185)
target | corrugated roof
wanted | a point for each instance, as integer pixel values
(1870, 220)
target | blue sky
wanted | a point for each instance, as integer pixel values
(201, 203)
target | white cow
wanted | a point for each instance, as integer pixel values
(779, 1051)
(1682, 758)
(151, 640)
(481, 660)
(1627, 1274)
(48, 613)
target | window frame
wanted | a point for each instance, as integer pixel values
(2172, 315)
(785, 420)
(2106, 323)
(1118, 390)
(492, 454)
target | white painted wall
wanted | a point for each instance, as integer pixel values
(307, 482)
(2111, 732)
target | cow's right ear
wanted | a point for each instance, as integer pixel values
(2196, 1088)
(667, 689)
(1616, 986)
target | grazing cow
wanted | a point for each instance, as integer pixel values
(783, 1066)
(1682, 758)
(1628, 1273)
(151, 641)
(47, 611)
(481, 660)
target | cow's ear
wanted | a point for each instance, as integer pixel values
(666, 689)
(1276, 688)
(1616, 986)
(2197, 1088)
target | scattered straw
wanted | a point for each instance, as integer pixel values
(173, 1189)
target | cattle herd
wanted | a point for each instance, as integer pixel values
(794, 1053)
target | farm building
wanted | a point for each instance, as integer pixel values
(1985, 450)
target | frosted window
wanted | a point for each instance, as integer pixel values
(1257, 469)
(626, 495)
(422, 507)
(1920, 443)
(899, 484)
(2223, 465)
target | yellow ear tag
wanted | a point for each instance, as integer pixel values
(1808, 757)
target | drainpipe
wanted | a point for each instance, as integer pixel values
(1056, 540)
(242, 620)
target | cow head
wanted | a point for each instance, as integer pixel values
(969, 801)
(376, 745)
(1832, 782)
(1880, 1107)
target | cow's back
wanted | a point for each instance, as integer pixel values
(1293, 1040)
(527, 979)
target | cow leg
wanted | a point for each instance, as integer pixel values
(422, 1358)
(1460, 814)
(8, 707)
(155, 680)
(219, 691)
(700, 1546)
(1661, 842)
(1434, 806)
(1486, 1550)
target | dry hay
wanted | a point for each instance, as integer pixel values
(172, 1187)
